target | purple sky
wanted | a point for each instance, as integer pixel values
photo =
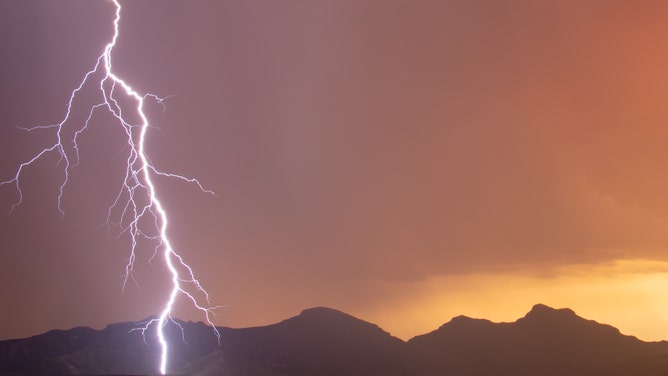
(402, 161)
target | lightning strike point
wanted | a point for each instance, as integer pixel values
(137, 198)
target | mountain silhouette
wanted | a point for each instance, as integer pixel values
(546, 341)
(324, 341)
(320, 341)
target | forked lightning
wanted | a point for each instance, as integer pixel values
(136, 200)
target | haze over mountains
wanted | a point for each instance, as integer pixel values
(323, 341)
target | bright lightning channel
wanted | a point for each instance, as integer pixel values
(136, 199)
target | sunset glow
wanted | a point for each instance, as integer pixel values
(401, 161)
(627, 295)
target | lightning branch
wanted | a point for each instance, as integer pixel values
(137, 200)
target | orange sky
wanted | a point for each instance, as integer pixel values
(402, 161)
(627, 294)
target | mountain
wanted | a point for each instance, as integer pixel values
(320, 341)
(323, 341)
(546, 341)
(116, 349)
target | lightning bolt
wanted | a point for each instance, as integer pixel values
(136, 200)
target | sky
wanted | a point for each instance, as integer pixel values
(402, 161)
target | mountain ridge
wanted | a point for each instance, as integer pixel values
(326, 341)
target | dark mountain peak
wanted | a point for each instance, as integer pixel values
(465, 319)
(325, 341)
(564, 320)
(563, 328)
(319, 341)
(541, 311)
(462, 322)
(321, 318)
(459, 328)
(547, 341)
(324, 313)
(545, 316)
(461, 318)
(331, 322)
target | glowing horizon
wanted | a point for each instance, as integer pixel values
(401, 161)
